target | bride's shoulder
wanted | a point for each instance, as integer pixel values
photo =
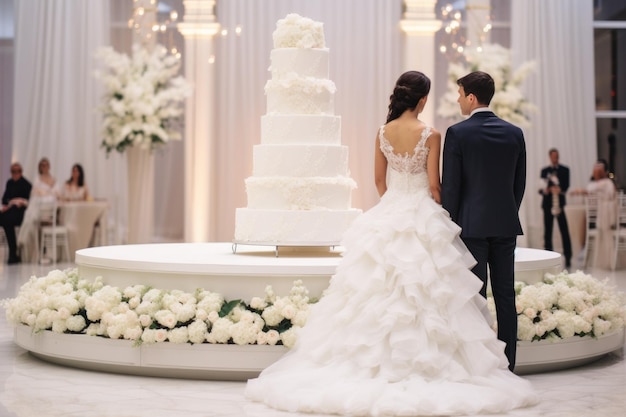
(432, 131)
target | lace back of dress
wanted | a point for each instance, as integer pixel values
(406, 172)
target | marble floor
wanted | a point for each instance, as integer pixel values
(30, 387)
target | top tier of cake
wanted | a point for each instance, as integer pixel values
(295, 31)
(299, 66)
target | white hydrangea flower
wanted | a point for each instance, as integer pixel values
(210, 301)
(258, 303)
(289, 337)
(272, 316)
(220, 332)
(525, 328)
(76, 323)
(179, 335)
(197, 331)
(213, 316)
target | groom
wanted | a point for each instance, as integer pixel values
(484, 177)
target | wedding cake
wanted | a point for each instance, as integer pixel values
(300, 189)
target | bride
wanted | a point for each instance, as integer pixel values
(401, 329)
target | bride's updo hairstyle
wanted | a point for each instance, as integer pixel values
(410, 88)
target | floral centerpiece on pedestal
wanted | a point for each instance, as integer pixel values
(143, 97)
(508, 101)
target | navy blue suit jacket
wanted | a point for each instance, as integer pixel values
(484, 176)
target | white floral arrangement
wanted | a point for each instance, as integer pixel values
(144, 97)
(63, 302)
(567, 305)
(508, 102)
(561, 306)
(295, 31)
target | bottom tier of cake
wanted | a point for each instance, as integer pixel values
(306, 227)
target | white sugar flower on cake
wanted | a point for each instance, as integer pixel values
(295, 31)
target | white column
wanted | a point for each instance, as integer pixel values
(199, 28)
(141, 161)
(420, 25)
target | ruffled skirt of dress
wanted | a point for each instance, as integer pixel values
(400, 331)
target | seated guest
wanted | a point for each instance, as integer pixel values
(604, 188)
(14, 203)
(45, 184)
(75, 188)
(600, 183)
(45, 191)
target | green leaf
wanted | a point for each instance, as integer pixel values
(228, 307)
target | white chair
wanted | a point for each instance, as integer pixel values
(4, 243)
(591, 232)
(620, 229)
(52, 235)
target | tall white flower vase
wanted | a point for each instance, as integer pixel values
(140, 195)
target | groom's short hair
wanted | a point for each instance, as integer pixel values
(480, 84)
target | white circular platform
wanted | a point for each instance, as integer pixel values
(242, 275)
(212, 266)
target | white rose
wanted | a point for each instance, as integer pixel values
(272, 337)
(145, 320)
(166, 318)
(160, 335)
(289, 311)
(530, 313)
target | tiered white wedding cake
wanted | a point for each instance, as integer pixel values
(300, 188)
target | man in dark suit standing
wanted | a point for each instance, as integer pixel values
(556, 182)
(14, 202)
(484, 178)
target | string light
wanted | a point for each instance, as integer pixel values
(455, 40)
(144, 22)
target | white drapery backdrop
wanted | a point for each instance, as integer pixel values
(365, 45)
(558, 34)
(56, 95)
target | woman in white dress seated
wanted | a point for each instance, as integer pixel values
(45, 191)
(45, 184)
(604, 188)
(75, 188)
(401, 330)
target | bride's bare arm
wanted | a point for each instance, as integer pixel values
(380, 169)
(432, 164)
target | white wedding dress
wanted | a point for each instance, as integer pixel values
(401, 330)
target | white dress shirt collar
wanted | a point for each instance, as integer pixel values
(479, 109)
